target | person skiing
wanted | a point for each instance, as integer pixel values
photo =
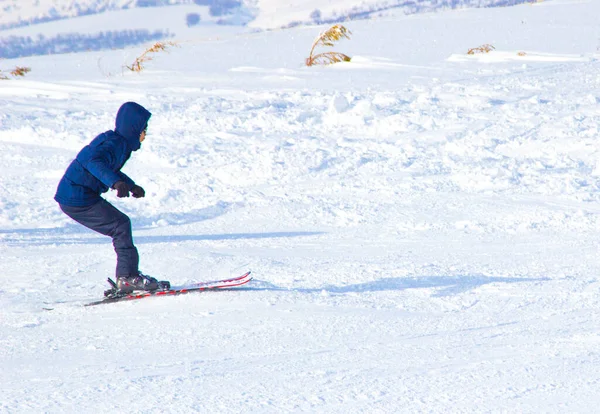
(97, 168)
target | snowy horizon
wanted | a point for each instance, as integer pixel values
(422, 224)
(264, 14)
(29, 28)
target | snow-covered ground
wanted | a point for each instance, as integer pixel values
(263, 14)
(423, 225)
(41, 27)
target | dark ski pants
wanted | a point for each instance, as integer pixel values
(106, 219)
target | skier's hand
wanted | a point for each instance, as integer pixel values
(122, 189)
(137, 191)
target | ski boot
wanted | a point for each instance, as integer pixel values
(130, 283)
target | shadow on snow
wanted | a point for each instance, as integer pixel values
(447, 285)
(42, 237)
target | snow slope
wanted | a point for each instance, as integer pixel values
(265, 13)
(422, 224)
(43, 27)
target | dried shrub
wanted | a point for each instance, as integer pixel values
(328, 38)
(17, 71)
(481, 49)
(20, 71)
(138, 64)
(521, 54)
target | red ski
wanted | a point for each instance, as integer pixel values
(175, 290)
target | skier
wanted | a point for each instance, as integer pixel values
(97, 168)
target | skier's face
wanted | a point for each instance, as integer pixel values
(143, 135)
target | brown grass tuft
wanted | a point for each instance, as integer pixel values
(481, 49)
(328, 38)
(138, 64)
(20, 71)
(17, 71)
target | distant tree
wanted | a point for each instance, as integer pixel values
(145, 3)
(152, 3)
(222, 7)
(192, 19)
(17, 46)
(316, 16)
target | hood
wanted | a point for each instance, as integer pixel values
(132, 118)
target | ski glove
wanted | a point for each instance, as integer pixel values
(122, 189)
(137, 191)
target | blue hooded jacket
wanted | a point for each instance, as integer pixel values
(98, 165)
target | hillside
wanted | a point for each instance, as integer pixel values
(41, 27)
(268, 13)
(422, 224)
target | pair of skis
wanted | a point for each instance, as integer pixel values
(114, 295)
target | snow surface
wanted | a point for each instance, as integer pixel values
(263, 14)
(38, 27)
(422, 224)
